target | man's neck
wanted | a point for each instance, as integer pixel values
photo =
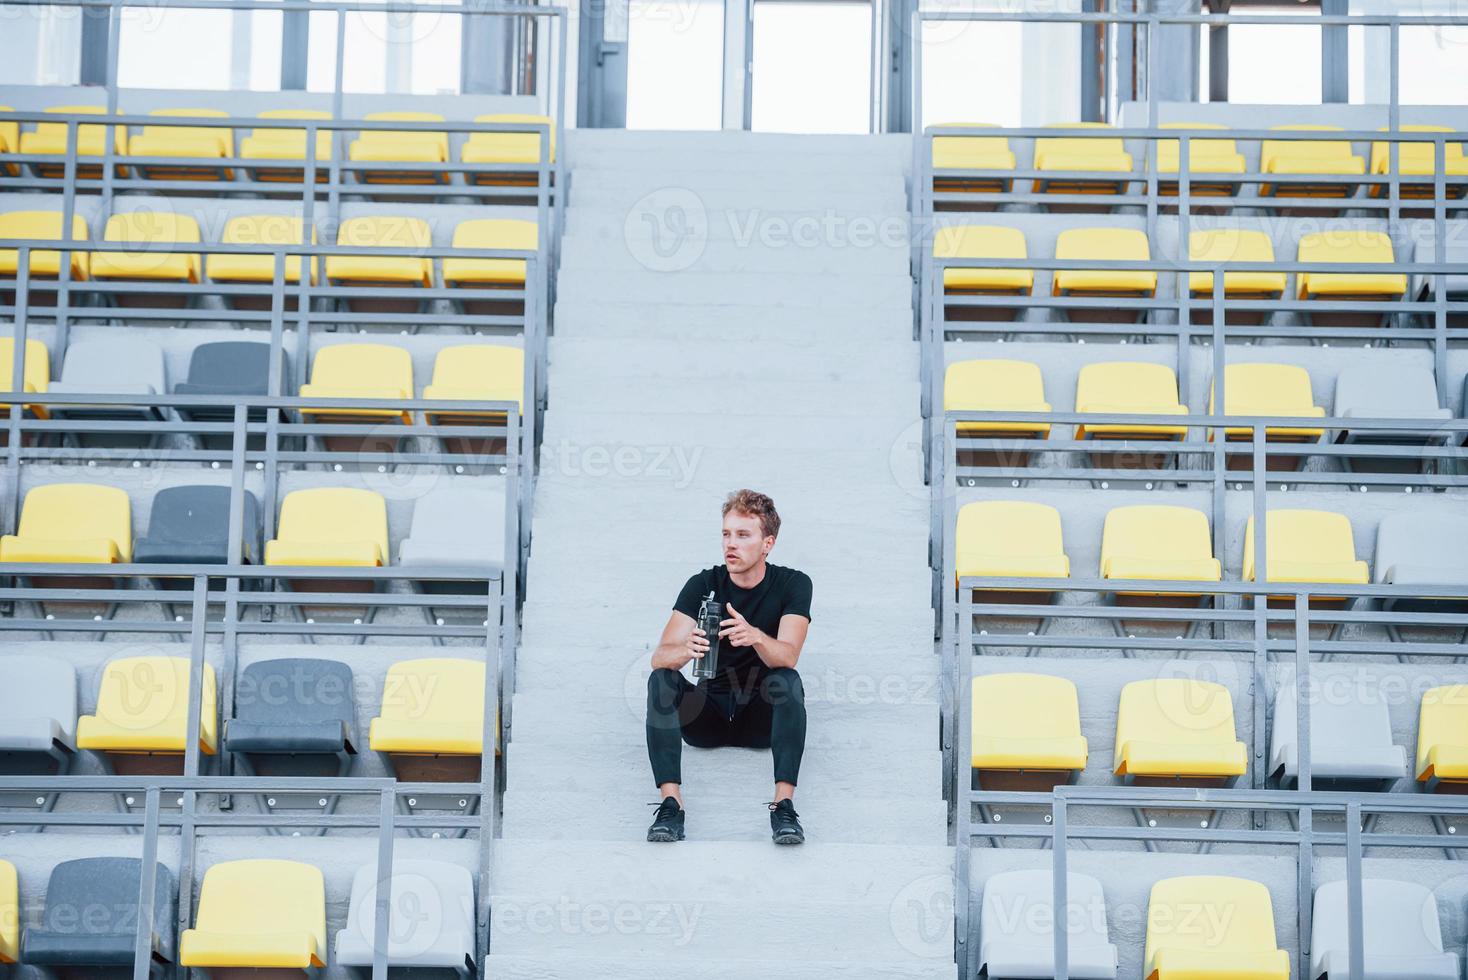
(751, 578)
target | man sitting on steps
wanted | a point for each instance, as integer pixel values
(755, 700)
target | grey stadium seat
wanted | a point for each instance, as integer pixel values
(38, 711)
(231, 367)
(1457, 283)
(190, 525)
(70, 937)
(1350, 739)
(439, 936)
(1401, 935)
(1422, 550)
(1385, 391)
(294, 717)
(1017, 938)
(456, 526)
(111, 367)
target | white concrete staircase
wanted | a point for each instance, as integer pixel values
(726, 320)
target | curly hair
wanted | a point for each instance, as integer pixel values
(752, 503)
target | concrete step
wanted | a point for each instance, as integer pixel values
(722, 968)
(754, 182)
(793, 358)
(694, 198)
(565, 816)
(828, 293)
(705, 929)
(741, 425)
(769, 250)
(698, 536)
(699, 394)
(612, 319)
(816, 551)
(676, 223)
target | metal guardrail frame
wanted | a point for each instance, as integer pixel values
(1304, 838)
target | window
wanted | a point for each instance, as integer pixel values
(1269, 64)
(805, 87)
(675, 64)
(40, 45)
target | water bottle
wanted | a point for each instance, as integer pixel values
(710, 614)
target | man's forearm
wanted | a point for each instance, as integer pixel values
(667, 655)
(775, 653)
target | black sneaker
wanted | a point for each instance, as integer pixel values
(785, 823)
(667, 824)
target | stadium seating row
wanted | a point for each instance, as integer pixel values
(258, 913)
(132, 366)
(1210, 926)
(398, 233)
(82, 523)
(1218, 245)
(295, 710)
(1213, 157)
(1026, 734)
(273, 144)
(1168, 543)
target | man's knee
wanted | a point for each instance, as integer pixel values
(663, 679)
(782, 685)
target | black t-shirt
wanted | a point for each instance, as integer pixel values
(782, 592)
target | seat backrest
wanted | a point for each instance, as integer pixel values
(79, 511)
(1025, 706)
(9, 913)
(979, 242)
(994, 383)
(41, 688)
(1352, 246)
(1418, 152)
(1314, 536)
(1227, 915)
(1010, 527)
(1391, 389)
(434, 690)
(1077, 145)
(265, 229)
(150, 696)
(223, 135)
(296, 690)
(151, 227)
(1266, 389)
(1351, 717)
(470, 519)
(1132, 387)
(1442, 719)
(497, 233)
(1399, 919)
(1155, 531)
(494, 372)
(1323, 150)
(1177, 710)
(264, 896)
(109, 883)
(442, 896)
(1107, 244)
(1434, 540)
(241, 366)
(40, 225)
(378, 135)
(517, 117)
(200, 514)
(1018, 910)
(1171, 149)
(317, 114)
(91, 131)
(35, 373)
(1230, 245)
(107, 364)
(364, 366)
(333, 514)
(399, 233)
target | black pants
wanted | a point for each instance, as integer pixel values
(677, 712)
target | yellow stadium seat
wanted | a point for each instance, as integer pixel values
(44, 226)
(1356, 248)
(1231, 937)
(204, 142)
(984, 242)
(1075, 153)
(49, 139)
(1106, 244)
(9, 914)
(432, 719)
(522, 148)
(1026, 731)
(476, 372)
(260, 229)
(972, 153)
(35, 374)
(491, 233)
(1419, 159)
(286, 144)
(1225, 245)
(1442, 736)
(1265, 390)
(1293, 157)
(75, 523)
(142, 715)
(400, 234)
(996, 385)
(9, 139)
(1177, 728)
(381, 146)
(330, 526)
(150, 228)
(1161, 542)
(377, 371)
(1206, 158)
(258, 914)
(1009, 539)
(1128, 388)
(1306, 546)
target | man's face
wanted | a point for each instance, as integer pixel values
(745, 545)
